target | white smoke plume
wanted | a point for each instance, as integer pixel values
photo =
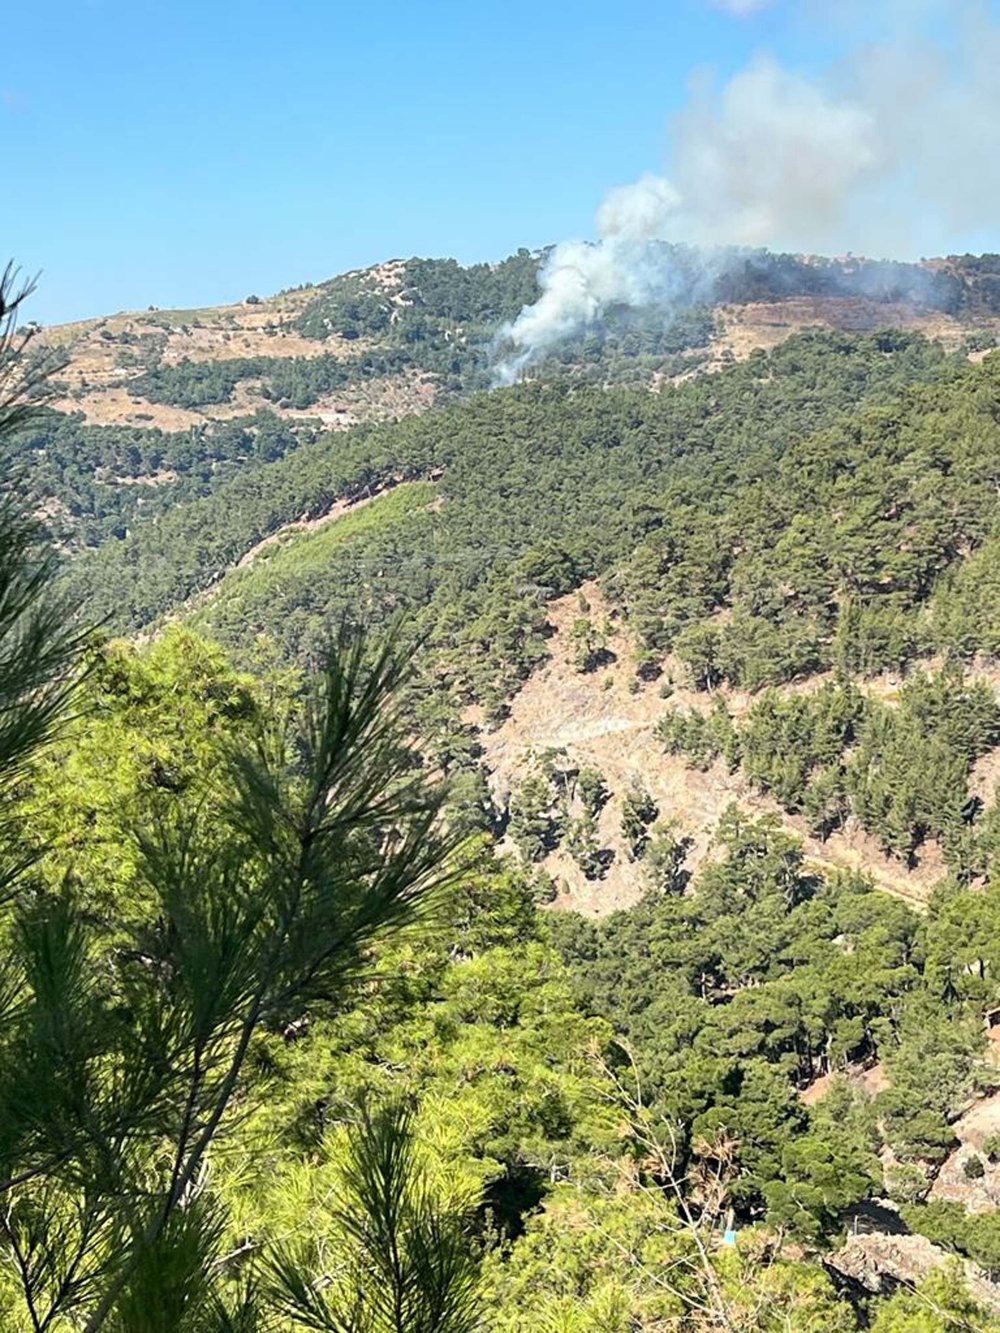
(581, 281)
(891, 155)
(772, 160)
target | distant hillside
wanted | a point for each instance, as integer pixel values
(387, 340)
(711, 661)
(583, 467)
(810, 521)
(157, 407)
(706, 626)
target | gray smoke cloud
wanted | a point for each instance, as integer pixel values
(891, 155)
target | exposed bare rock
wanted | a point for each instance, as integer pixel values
(880, 1262)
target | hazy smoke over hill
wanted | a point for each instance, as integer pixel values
(894, 155)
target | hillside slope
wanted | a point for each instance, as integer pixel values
(388, 339)
(799, 513)
(605, 720)
(783, 598)
(609, 456)
(708, 665)
(161, 406)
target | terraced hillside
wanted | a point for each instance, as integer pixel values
(386, 340)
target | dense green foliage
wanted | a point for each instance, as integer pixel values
(542, 485)
(842, 550)
(92, 483)
(900, 767)
(551, 1119)
(293, 381)
(423, 299)
(977, 1237)
(556, 1100)
(127, 1032)
(733, 998)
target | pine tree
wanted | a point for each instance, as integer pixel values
(639, 810)
(120, 1071)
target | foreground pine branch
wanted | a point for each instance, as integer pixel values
(123, 1064)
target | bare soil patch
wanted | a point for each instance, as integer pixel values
(765, 324)
(601, 722)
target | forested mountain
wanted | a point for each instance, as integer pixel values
(505, 456)
(191, 392)
(699, 1030)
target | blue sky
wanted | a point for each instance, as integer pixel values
(177, 152)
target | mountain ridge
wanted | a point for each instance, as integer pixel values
(353, 314)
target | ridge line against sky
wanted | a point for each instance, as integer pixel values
(187, 154)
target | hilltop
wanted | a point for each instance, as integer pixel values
(390, 339)
(105, 363)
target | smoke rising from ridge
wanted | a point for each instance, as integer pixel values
(891, 155)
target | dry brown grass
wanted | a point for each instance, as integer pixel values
(767, 323)
(99, 381)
